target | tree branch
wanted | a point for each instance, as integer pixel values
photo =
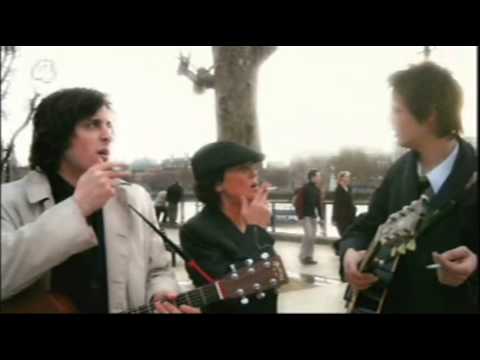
(202, 80)
(9, 150)
(8, 56)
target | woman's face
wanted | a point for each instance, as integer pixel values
(239, 181)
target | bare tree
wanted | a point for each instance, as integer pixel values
(42, 71)
(7, 152)
(8, 55)
(202, 78)
(234, 79)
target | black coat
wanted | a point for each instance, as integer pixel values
(312, 201)
(215, 243)
(415, 288)
(343, 208)
(174, 193)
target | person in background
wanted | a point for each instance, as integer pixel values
(344, 209)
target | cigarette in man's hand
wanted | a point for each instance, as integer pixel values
(272, 188)
(433, 266)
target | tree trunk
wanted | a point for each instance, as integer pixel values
(236, 69)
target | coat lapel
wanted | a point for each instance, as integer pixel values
(410, 180)
(452, 188)
(38, 189)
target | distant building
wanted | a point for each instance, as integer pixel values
(176, 163)
(276, 165)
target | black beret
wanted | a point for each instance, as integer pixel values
(213, 159)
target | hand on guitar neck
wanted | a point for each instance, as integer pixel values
(164, 305)
(357, 279)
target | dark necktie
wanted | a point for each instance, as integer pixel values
(424, 186)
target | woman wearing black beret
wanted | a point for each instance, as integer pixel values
(231, 227)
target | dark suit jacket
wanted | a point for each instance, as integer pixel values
(446, 226)
(343, 208)
(215, 242)
(174, 194)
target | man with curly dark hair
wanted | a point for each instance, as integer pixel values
(66, 226)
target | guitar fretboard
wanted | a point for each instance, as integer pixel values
(198, 297)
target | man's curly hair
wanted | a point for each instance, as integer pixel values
(54, 123)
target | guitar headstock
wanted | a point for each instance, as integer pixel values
(398, 232)
(254, 278)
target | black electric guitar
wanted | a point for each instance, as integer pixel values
(253, 278)
(392, 239)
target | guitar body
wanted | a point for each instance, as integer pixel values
(370, 301)
(40, 303)
(254, 278)
(393, 238)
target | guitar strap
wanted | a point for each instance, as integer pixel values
(457, 199)
(188, 260)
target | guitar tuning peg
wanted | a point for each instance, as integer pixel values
(261, 296)
(257, 286)
(267, 264)
(273, 282)
(405, 232)
(244, 301)
(394, 217)
(234, 274)
(412, 245)
(401, 249)
(249, 262)
(240, 292)
(265, 256)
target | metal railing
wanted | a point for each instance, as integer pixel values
(283, 211)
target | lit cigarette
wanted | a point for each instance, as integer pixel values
(433, 266)
(272, 188)
(120, 168)
(124, 184)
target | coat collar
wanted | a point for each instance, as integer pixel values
(38, 187)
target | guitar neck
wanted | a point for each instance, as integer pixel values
(371, 251)
(198, 297)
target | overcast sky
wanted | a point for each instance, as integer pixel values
(311, 100)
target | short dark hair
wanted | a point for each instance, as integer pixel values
(311, 174)
(428, 88)
(205, 190)
(54, 123)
